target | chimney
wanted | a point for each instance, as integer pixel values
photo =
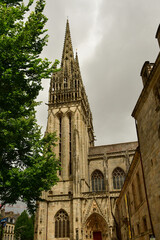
(146, 70)
(158, 35)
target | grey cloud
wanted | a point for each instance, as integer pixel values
(111, 71)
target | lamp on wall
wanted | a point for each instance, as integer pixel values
(152, 237)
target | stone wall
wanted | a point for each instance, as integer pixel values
(132, 212)
(147, 115)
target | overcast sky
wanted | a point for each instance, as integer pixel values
(114, 38)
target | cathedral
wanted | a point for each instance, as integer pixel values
(82, 204)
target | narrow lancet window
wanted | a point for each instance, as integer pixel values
(65, 83)
(75, 83)
(60, 141)
(70, 146)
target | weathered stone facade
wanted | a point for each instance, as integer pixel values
(147, 115)
(82, 204)
(133, 215)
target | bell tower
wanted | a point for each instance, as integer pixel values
(59, 214)
(70, 116)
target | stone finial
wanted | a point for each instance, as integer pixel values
(158, 35)
(76, 58)
(146, 70)
(77, 62)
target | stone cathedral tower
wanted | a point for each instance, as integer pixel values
(81, 205)
(71, 118)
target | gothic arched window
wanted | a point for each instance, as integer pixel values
(61, 224)
(118, 178)
(97, 181)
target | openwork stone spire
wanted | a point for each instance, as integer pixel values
(66, 84)
(67, 54)
(66, 88)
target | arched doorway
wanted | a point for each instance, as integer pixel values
(96, 228)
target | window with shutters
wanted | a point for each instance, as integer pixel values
(139, 187)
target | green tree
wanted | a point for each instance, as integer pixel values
(27, 164)
(24, 227)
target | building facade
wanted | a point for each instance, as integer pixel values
(147, 116)
(132, 213)
(8, 231)
(82, 204)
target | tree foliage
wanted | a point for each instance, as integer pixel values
(24, 227)
(27, 163)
